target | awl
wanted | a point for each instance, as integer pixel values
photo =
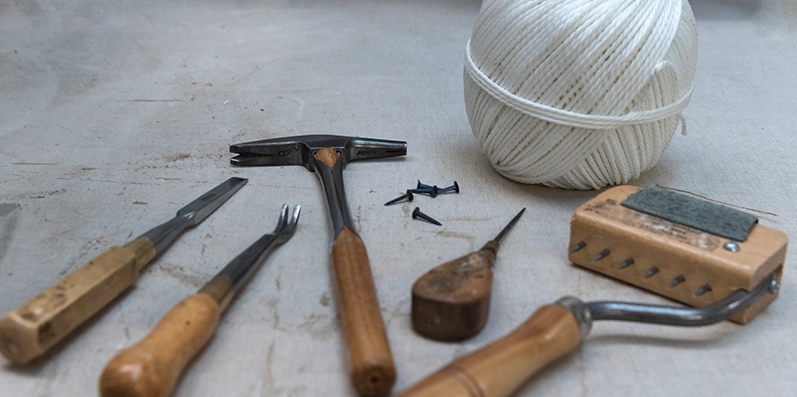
(37, 325)
(452, 301)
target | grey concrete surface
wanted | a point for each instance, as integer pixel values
(115, 114)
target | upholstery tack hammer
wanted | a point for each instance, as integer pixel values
(371, 362)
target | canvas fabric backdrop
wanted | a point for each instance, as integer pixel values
(115, 115)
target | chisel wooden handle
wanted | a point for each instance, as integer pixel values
(499, 368)
(31, 329)
(372, 368)
(151, 367)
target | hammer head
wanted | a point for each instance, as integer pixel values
(299, 150)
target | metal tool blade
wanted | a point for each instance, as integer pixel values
(192, 214)
(238, 272)
(511, 223)
(202, 207)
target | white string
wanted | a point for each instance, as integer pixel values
(578, 93)
(567, 118)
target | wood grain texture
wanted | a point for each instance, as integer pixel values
(675, 250)
(37, 325)
(152, 367)
(327, 156)
(499, 368)
(144, 251)
(452, 301)
(371, 362)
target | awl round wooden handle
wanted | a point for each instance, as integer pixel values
(452, 301)
(372, 369)
(151, 367)
(499, 368)
(34, 327)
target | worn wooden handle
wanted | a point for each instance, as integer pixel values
(151, 367)
(372, 368)
(34, 327)
(452, 301)
(499, 368)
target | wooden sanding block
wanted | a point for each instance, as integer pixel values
(676, 245)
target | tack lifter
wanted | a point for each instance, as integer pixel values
(371, 362)
(151, 367)
(37, 325)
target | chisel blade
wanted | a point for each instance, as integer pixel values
(202, 207)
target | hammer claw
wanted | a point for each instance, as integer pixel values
(270, 152)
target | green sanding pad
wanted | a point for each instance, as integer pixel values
(691, 211)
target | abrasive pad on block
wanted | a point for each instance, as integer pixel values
(691, 211)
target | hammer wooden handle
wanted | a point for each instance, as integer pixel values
(499, 368)
(151, 367)
(372, 368)
(34, 327)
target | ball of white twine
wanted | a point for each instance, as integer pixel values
(578, 94)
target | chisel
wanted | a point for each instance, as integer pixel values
(40, 323)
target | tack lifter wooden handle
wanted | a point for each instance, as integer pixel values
(151, 367)
(499, 368)
(34, 327)
(372, 368)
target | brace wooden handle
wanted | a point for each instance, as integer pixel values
(151, 367)
(34, 327)
(499, 368)
(372, 368)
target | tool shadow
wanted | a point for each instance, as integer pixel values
(8, 223)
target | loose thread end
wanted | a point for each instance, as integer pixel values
(682, 119)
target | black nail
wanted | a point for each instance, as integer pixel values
(452, 188)
(418, 214)
(432, 192)
(407, 196)
(423, 186)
